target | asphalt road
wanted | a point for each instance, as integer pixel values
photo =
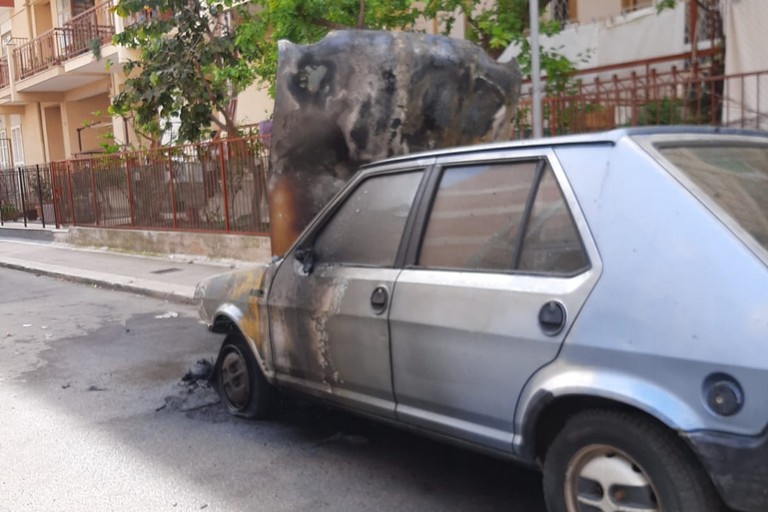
(93, 416)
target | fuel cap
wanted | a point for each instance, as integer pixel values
(723, 394)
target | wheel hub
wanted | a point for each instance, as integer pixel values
(234, 380)
(604, 479)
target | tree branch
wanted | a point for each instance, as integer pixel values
(361, 15)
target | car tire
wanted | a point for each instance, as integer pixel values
(240, 382)
(604, 460)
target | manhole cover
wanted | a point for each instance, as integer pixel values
(165, 270)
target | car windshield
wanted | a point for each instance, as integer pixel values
(734, 175)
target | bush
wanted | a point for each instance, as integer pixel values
(9, 212)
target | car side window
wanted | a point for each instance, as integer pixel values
(552, 243)
(479, 212)
(367, 228)
(476, 216)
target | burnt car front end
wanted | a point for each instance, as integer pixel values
(235, 302)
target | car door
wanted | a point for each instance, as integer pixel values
(492, 283)
(329, 301)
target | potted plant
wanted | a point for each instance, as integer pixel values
(9, 212)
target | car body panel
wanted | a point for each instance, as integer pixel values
(326, 336)
(638, 321)
(458, 367)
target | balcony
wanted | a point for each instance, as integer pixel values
(82, 34)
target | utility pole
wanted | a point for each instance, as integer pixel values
(533, 7)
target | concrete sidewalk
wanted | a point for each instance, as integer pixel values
(172, 278)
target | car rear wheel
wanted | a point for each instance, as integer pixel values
(607, 461)
(239, 381)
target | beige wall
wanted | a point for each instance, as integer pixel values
(54, 132)
(43, 18)
(592, 10)
(254, 104)
(21, 21)
(76, 114)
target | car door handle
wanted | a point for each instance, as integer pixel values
(379, 299)
(552, 318)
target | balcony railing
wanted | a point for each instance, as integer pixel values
(93, 28)
(5, 77)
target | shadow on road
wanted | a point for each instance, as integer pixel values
(122, 380)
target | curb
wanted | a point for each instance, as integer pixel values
(171, 296)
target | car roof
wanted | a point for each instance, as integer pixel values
(607, 137)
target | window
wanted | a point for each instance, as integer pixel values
(17, 147)
(735, 176)
(5, 151)
(551, 242)
(476, 216)
(479, 212)
(634, 5)
(367, 229)
(563, 11)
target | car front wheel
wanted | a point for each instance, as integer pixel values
(607, 461)
(239, 381)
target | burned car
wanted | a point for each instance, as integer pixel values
(595, 305)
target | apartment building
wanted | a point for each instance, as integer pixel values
(697, 62)
(55, 92)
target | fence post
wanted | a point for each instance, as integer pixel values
(741, 79)
(2, 177)
(40, 194)
(93, 191)
(170, 184)
(130, 188)
(71, 194)
(224, 189)
(634, 98)
(597, 90)
(23, 199)
(674, 84)
(55, 195)
(758, 116)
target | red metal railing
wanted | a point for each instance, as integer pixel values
(5, 77)
(94, 27)
(218, 186)
(651, 98)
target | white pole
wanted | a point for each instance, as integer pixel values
(535, 70)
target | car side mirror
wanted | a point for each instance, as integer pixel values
(307, 259)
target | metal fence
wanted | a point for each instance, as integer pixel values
(217, 186)
(652, 98)
(26, 195)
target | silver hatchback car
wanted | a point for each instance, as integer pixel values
(594, 305)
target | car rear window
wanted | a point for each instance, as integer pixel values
(734, 175)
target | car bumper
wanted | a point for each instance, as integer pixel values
(738, 465)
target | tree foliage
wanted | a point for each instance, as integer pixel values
(308, 21)
(191, 65)
(188, 67)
